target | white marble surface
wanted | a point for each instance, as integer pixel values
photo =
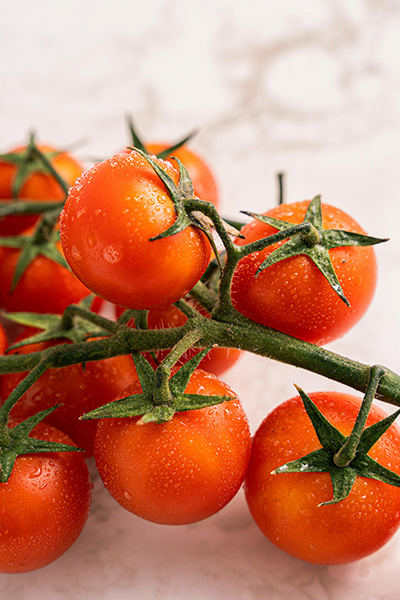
(306, 87)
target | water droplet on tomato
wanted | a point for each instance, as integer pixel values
(36, 473)
(111, 255)
(91, 239)
(76, 255)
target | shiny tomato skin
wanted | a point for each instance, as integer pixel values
(38, 187)
(45, 286)
(292, 295)
(106, 225)
(217, 361)
(77, 390)
(44, 505)
(178, 472)
(285, 506)
(204, 182)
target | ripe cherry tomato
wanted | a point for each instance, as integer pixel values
(76, 389)
(38, 187)
(217, 361)
(204, 182)
(45, 286)
(106, 225)
(44, 505)
(285, 506)
(181, 471)
(292, 295)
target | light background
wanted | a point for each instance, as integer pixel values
(306, 87)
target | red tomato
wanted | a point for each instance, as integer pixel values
(38, 187)
(217, 361)
(45, 286)
(3, 339)
(204, 182)
(106, 225)
(292, 295)
(285, 506)
(181, 471)
(44, 505)
(77, 390)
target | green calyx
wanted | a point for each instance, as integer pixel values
(162, 394)
(311, 239)
(345, 458)
(76, 325)
(42, 242)
(138, 142)
(29, 161)
(190, 211)
(15, 441)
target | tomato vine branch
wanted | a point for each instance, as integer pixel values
(247, 336)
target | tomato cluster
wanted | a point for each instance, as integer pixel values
(133, 233)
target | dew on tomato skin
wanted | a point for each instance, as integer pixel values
(111, 255)
(76, 255)
(91, 239)
(36, 473)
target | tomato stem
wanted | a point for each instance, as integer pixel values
(348, 451)
(246, 335)
(23, 386)
(27, 207)
(281, 193)
(77, 311)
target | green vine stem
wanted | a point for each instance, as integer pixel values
(348, 451)
(74, 310)
(162, 392)
(248, 336)
(27, 207)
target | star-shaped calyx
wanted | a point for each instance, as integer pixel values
(32, 245)
(314, 241)
(75, 325)
(179, 194)
(29, 161)
(162, 395)
(345, 458)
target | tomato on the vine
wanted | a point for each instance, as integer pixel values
(285, 505)
(292, 295)
(76, 388)
(204, 181)
(45, 286)
(107, 224)
(44, 505)
(38, 186)
(181, 471)
(217, 361)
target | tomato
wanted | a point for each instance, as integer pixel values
(285, 506)
(106, 225)
(38, 186)
(76, 389)
(217, 361)
(181, 471)
(45, 286)
(292, 295)
(3, 339)
(44, 505)
(204, 182)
